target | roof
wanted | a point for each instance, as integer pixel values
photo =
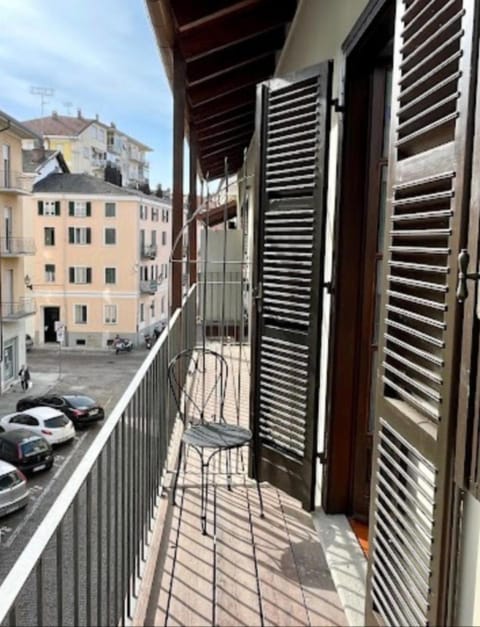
(17, 435)
(6, 468)
(217, 215)
(79, 184)
(85, 184)
(6, 122)
(228, 46)
(61, 125)
(33, 160)
(71, 126)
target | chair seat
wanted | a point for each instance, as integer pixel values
(216, 435)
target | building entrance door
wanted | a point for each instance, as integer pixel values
(50, 316)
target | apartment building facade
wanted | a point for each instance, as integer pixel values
(16, 246)
(90, 147)
(101, 262)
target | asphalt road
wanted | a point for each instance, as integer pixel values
(102, 375)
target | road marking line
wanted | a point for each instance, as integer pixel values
(34, 507)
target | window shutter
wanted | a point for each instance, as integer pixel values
(89, 275)
(89, 235)
(71, 275)
(71, 208)
(71, 235)
(429, 161)
(89, 209)
(40, 207)
(57, 207)
(293, 126)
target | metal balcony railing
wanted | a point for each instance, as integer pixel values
(21, 308)
(149, 251)
(94, 536)
(148, 287)
(14, 182)
(16, 246)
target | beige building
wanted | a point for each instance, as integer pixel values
(89, 146)
(101, 261)
(16, 244)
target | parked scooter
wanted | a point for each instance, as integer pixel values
(122, 345)
(148, 341)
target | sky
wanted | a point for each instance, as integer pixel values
(100, 56)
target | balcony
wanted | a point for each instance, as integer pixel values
(149, 251)
(113, 550)
(17, 246)
(13, 311)
(148, 287)
(14, 183)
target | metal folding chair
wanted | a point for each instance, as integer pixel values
(198, 380)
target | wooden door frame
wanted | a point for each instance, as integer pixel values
(343, 357)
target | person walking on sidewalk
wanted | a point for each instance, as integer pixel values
(24, 375)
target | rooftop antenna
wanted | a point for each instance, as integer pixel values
(44, 93)
(68, 106)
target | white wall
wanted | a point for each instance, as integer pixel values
(468, 600)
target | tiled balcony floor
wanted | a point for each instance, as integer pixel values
(247, 570)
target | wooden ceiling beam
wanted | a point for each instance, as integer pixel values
(232, 101)
(226, 131)
(224, 124)
(225, 28)
(226, 150)
(246, 51)
(208, 145)
(190, 14)
(232, 81)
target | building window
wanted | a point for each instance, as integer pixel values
(110, 275)
(49, 236)
(155, 214)
(80, 235)
(79, 274)
(49, 273)
(110, 236)
(142, 312)
(152, 309)
(143, 212)
(163, 305)
(166, 215)
(164, 238)
(110, 210)
(49, 208)
(110, 314)
(80, 314)
(79, 209)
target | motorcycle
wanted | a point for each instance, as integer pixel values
(122, 345)
(148, 341)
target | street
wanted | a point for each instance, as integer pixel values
(102, 375)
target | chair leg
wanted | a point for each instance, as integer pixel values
(177, 471)
(255, 476)
(228, 464)
(204, 495)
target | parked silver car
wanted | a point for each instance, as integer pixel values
(13, 489)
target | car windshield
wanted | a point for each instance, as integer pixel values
(58, 421)
(33, 447)
(80, 401)
(9, 481)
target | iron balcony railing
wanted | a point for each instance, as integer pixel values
(149, 251)
(18, 309)
(16, 246)
(13, 181)
(148, 287)
(81, 565)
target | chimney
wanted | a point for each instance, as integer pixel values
(79, 114)
(38, 154)
(112, 125)
(54, 115)
(97, 117)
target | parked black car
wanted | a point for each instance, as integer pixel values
(26, 450)
(79, 408)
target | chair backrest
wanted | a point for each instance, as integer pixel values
(198, 380)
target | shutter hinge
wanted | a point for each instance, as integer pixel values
(463, 275)
(328, 285)
(339, 108)
(258, 295)
(322, 457)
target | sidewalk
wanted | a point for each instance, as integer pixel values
(42, 383)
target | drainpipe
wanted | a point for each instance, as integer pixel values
(1, 297)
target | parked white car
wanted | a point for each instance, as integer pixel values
(51, 423)
(13, 489)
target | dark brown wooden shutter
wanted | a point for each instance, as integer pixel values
(435, 55)
(71, 208)
(57, 207)
(89, 209)
(40, 207)
(292, 125)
